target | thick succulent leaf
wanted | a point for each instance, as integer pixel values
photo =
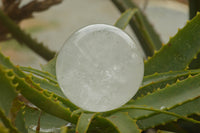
(156, 111)
(84, 122)
(159, 80)
(188, 108)
(7, 91)
(52, 87)
(8, 96)
(7, 123)
(153, 87)
(123, 123)
(179, 51)
(163, 76)
(125, 18)
(43, 74)
(168, 97)
(50, 66)
(44, 84)
(48, 104)
(144, 31)
(41, 98)
(6, 62)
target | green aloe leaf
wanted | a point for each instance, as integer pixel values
(125, 18)
(8, 96)
(7, 90)
(185, 109)
(7, 123)
(157, 81)
(163, 76)
(48, 104)
(178, 52)
(6, 63)
(84, 122)
(170, 114)
(39, 97)
(169, 97)
(123, 123)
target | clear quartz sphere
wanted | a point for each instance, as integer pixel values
(99, 68)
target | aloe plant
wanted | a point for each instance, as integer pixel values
(168, 99)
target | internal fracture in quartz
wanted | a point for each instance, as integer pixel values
(99, 68)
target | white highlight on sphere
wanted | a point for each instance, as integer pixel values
(99, 68)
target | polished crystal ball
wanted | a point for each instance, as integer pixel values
(99, 68)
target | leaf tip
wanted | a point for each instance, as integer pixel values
(155, 51)
(188, 21)
(190, 76)
(167, 85)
